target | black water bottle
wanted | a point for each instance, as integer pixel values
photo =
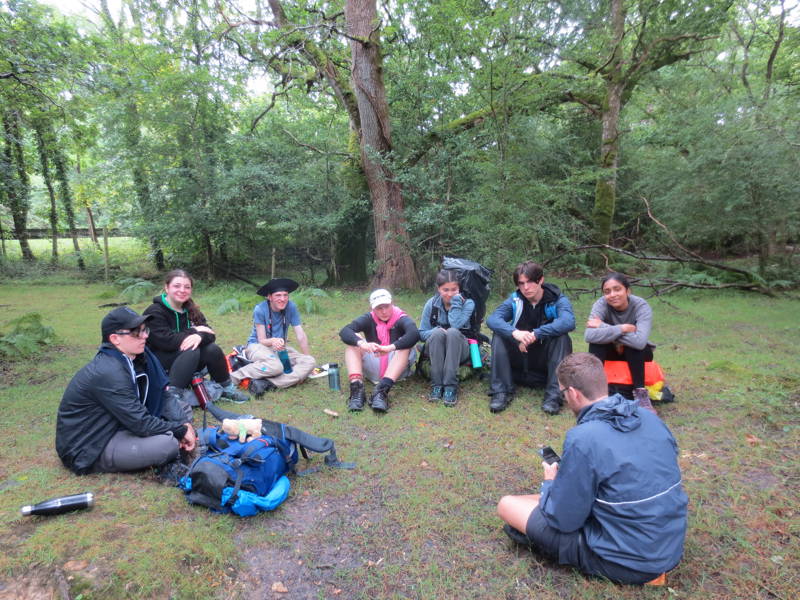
(57, 506)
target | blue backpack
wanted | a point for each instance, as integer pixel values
(250, 477)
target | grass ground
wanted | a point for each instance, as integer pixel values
(416, 518)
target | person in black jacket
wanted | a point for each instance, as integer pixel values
(114, 415)
(182, 340)
(385, 353)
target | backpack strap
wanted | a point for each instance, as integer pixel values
(304, 440)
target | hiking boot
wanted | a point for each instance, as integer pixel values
(551, 406)
(642, 398)
(234, 395)
(450, 395)
(379, 401)
(357, 396)
(436, 393)
(516, 536)
(500, 401)
(259, 387)
(170, 474)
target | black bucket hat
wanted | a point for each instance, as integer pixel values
(279, 284)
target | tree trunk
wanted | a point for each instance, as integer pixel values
(66, 200)
(48, 182)
(605, 198)
(87, 206)
(17, 188)
(395, 267)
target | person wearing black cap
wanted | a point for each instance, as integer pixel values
(114, 415)
(271, 321)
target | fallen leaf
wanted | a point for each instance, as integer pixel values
(448, 444)
(76, 565)
(330, 412)
(423, 464)
(337, 591)
(752, 440)
(279, 587)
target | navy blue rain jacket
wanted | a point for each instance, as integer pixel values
(619, 482)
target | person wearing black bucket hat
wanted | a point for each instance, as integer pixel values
(115, 415)
(268, 340)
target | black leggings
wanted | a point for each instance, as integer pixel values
(635, 359)
(182, 365)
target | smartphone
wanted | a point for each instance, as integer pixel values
(549, 455)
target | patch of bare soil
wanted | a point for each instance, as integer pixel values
(38, 583)
(308, 549)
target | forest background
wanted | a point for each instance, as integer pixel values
(353, 142)
(359, 141)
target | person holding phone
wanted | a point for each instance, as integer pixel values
(614, 506)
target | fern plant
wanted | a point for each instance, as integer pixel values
(27, 337)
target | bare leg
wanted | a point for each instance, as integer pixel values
(353, 359)
(516, 510)
(398, 364)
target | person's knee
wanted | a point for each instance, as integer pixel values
(164, 449)
(504, 506)
(438, 334)
(453, 333)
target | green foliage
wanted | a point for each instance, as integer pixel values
(228, 306)
(135, 289)
(26, 337)
(308, 299)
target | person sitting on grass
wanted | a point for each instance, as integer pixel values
(614, 506)
(114, 415)
(182, 340)
(267, 341)
(619, 329)
(531, 336)
(385, 353)
(444, 318)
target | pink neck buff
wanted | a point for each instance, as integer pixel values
(382, 329)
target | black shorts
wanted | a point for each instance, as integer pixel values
(571, 549)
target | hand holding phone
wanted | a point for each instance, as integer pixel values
(549, 455)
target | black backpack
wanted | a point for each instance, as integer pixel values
(473, 282)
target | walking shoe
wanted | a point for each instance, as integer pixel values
(259, 387)
(551, 406)
(171, 473)
(234, 395)
(450, 395)
(500, 401)
(379, 401)
(357, 396)
(516, 536)
(642, 397)
(436, 393)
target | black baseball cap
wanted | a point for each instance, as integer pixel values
(121, 318)
(279, 284)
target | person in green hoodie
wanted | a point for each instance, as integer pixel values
(182, 340)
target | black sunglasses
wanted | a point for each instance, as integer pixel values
(139, 332)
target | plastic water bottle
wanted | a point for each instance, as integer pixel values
(287, 365)
(475, 353)
(57, 506)
(200, 392)
(333, 377)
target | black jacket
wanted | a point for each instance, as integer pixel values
(104, 397)
(404, 334)
(168, 327)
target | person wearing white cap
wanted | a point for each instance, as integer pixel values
(384, 352)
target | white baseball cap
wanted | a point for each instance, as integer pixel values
(379, 297)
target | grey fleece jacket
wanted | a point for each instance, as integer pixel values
(638, 313)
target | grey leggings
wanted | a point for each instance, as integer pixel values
(128, 452)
